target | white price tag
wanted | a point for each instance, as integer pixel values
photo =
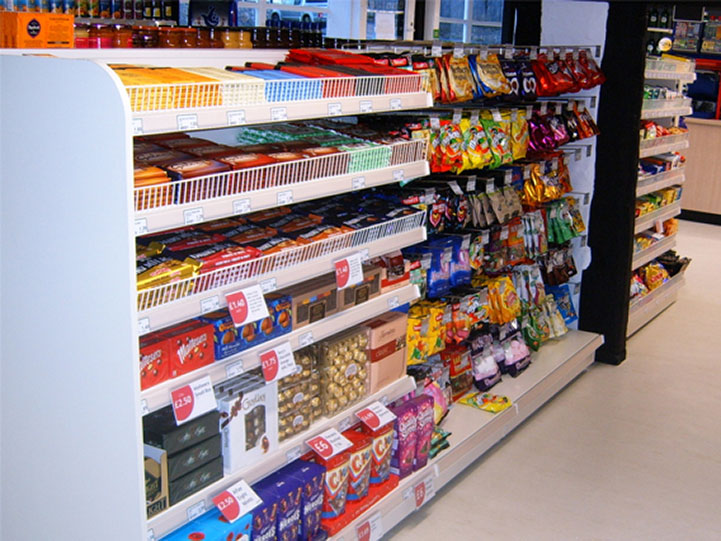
(269, 285)
(211, 304)
(496, 115)
(529, 111)
(278, 114)
(396, 104)
(335, 109)
(533, 53)
(329, 443)
(393, 302)
(544, 108)
(371, 529)
(436, 50)
(458, 52)
(194, 511)
(192, 400)
(526, 172)
(359, 183)
(474, 117)
(278, 362)
(483, 53)
(234, 369)
(193, 216)
(508, 53)
(187, 122)
(366, 106)
(144, 409)
(236, 118)
(349, 270)
(375, 415)
(237, 501)
(435, 123)
(457, 115)
(143, 325)
(285, 197)
(490, 185)
(141, 226)
(508, 177)
(424, 491)
(241, 206)
(471, 185)
(293, 454)
(151, 535)
(399, 175)
(345, 424)
(504, 232)
(455, 187)
(306, 339)
(137, 126)
(247, 305)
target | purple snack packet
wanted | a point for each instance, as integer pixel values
(311, 476)
(404, 440)
(288, 491)
(424, 429)
(265, 515)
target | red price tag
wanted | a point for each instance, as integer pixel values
(371, 529)
(375, 415)
(424, 491)
(278, 362)
(192, 400)
(349, 270)
(237, 501)
(247, 305)
(329, 443)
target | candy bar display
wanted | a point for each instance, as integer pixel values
(656, 200)
(344, 369)
(655, 274)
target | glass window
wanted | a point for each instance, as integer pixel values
(482, 25)
(485, 35)
(451, 31)
(247, 16)
(453, 9)
(487, 11)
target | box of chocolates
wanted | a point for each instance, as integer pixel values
(196, 480)
(369, 288)
(343, 362)
(387, 341)
(154, 360)
(312, 478)
(156, 479)
(160, 430)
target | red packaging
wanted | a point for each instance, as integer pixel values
(359, 471)
(244, 160)
(223, 254)
(184, 143)
(380, 452)
(154, 360)
(190, 346)
(335, 489)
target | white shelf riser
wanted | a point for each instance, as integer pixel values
(647, 221)
(647, 308)
(665, 113)
(670, 178)
(653, 251)
(661, 149)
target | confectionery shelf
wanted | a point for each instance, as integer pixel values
(207, 198)
(651, 183)
(475, 431)
(664, 213)
(649, 306)
(287, 451)
(660, 74)
(159, 396)
(651, 147)
(653, 251)
(195, 296)
(666, 108)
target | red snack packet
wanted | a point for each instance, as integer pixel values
(596, 75)
(335, 489)
(359, 465)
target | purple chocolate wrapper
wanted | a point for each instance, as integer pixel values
(311, 476)
(424, 429)
(404, 440)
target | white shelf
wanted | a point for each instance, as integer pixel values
(288, 451)
(648, 307)
(659, 75)
(664, 213)
(159, 396)
(475, 431)
(659, 30)
(670, 143)
(296, 181)
(651, 183)
(662, 108)
(653, 251)
(272, 272)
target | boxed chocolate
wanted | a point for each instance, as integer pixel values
(190, 346)
(196, 480)
(288, 492)
(395, 271)
(424, 429)
(312, 477)
(160, 430)
(343, 364)
(156, 479)
(226, 340)
(313, 300)
(368, 289)
(186, 461)
(387, 342)
(154, 360)
(359, 469)
(211, 526)
(280, 316)
(404, 439)
(335, 489)
(265, 524)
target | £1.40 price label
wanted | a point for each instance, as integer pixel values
(237, 501)
(329, 443)
(375, 415)
(247, 305)
(278, 362)
(193, 400)
(349, 270)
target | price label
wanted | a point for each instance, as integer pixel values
(504, 233)
(399, 175)
(237, 501)
(375, 415)
(211, 304)
(143, 325)
(193, 216)
(508, 53)
(329, 443)
(508, 177)
(471, 185)
(193, 400)
(359, 183)
(544, 108)
(436, 50)
(457, 52)
(277, 362)
(285, 197)
(345, 424)
(529, 111)
(241, 206)
(435, 123)
(306, 339)
(457, 115)
(393, 302)
(194, 511)
(269, 285)
(141, 226)
(278, 114)
(187, 122)
(247, 305)
(236, 118)
(349, 270)
(366, 106)
(424, 491)
(137, 126)
(293, 454)
(234, 369)
(371, 529)
(335, 109)
(455, 187)
(483, 53)
(474, 117)
(533, 53)
(490, 185)
(396, 104)
(526, 172)
(144, 409)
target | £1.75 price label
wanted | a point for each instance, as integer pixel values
(329, 443)
(278, 362)
(193, 400)
(247, 305)
(237, 501)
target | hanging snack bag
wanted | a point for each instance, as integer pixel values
(596, 76)
(460, 80)
(564, 301)
(519, 134)
(545, 82)
(528, 82)
(511, 73)
(493, 82)
(499, 140)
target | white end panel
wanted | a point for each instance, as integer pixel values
(70, 386)
(573, 22)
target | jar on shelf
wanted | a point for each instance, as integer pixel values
(189, 38)
(246, 41)
(122, 36)
(202, 38)
(82, 36)
(100, 36)
(230, 37)
(145, 37)
(216, 38)
(169, 36)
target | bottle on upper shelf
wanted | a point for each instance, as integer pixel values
(653, 18)
(664, 20)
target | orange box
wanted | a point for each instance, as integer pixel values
(27, 30)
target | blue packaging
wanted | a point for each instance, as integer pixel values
(212, 526)
(288, 490)
(284, 86)
(312, 477)
(226, 341)
(265, 523)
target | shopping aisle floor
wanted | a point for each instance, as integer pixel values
(625, 452)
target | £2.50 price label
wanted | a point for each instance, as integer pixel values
(237, 501)
(349, 270)
(193, 400)
(247, 305)
(375, 415)
(278, 362)
(329, 443)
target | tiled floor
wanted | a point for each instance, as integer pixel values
(624, 453)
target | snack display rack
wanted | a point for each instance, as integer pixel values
(659, 145)
(648, 220)
(642, 257)
(648, 307)
(651, 183)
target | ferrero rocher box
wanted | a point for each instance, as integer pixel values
(31, 30)
(156, 479)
